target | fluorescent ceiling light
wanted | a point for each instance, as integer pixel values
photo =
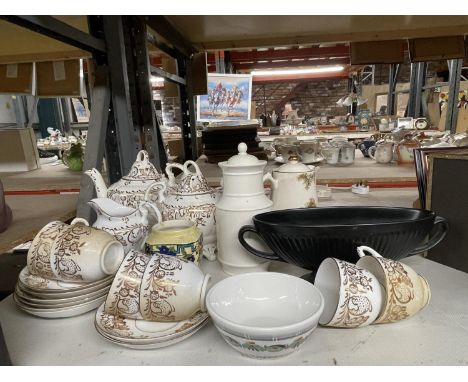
(156, 79)
(318, 69)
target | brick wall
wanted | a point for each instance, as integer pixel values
(319, 98)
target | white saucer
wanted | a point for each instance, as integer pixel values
(62, 312)
(279, 159)
(145, 332)
(149, 346)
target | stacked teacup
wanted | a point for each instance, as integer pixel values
(154, 301)
(374, 290)
(69, 270)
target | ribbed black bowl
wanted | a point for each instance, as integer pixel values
(306, 236)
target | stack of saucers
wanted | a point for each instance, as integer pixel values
(153, 302)
(58, 299)
(141, 334)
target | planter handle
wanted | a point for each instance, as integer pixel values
(438, 232)
(266, 255)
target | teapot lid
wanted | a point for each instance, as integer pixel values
(191, 182)
(243, 158)
(294, 165)
(143, 169)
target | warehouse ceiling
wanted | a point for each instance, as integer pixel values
(237, 32)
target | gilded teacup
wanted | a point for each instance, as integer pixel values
(406, 291)
(84, 254)
(353, 296)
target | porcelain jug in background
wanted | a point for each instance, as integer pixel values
(128, 225)
(243, 197)
(130, 190)
(293, 185)
(191, 198)
(382, 152)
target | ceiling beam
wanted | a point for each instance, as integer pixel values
(58, 30)
(286, 54)
(166, 30)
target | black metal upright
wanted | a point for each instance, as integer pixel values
(394, 71)
(143, 110)
(184, 110)
(417, 80)
(455, 69)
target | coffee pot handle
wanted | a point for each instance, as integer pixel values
(438, 232)
(266, 255)
(268, 178)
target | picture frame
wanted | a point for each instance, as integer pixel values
(421, 163)
(228, 99)
(446, 196)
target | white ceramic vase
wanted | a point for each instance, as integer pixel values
(243, 197)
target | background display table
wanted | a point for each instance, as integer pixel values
(438, 335)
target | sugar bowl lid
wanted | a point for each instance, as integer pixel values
(243, 158)
(143, 169)
(294, 165)
(192, 183)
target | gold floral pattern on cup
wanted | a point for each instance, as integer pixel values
(406, 291)
(124, 296)
(158, 286)
(39, 253)
(68, 245)
(355, 309)
(353, 295)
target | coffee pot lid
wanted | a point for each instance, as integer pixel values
(294, 165)
(243, 158)
(143, 169)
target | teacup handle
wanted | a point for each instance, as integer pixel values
(363, 248)
(441, 228)
(160, 193)
(266, 255)
(80, 220)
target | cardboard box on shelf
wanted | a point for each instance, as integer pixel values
(16, 78)
(58, 78)
(18, 150)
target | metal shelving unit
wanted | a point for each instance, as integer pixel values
(123, 117)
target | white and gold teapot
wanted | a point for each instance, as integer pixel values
(293, 185)
(131, 189)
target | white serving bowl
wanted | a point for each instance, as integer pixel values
(265, 314)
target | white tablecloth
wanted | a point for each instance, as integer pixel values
(438, 335)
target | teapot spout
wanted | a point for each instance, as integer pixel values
(99, 184)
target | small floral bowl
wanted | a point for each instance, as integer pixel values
(265, 314)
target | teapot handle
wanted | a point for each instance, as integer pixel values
(169, 172)
(160, 193)
(143, 156)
